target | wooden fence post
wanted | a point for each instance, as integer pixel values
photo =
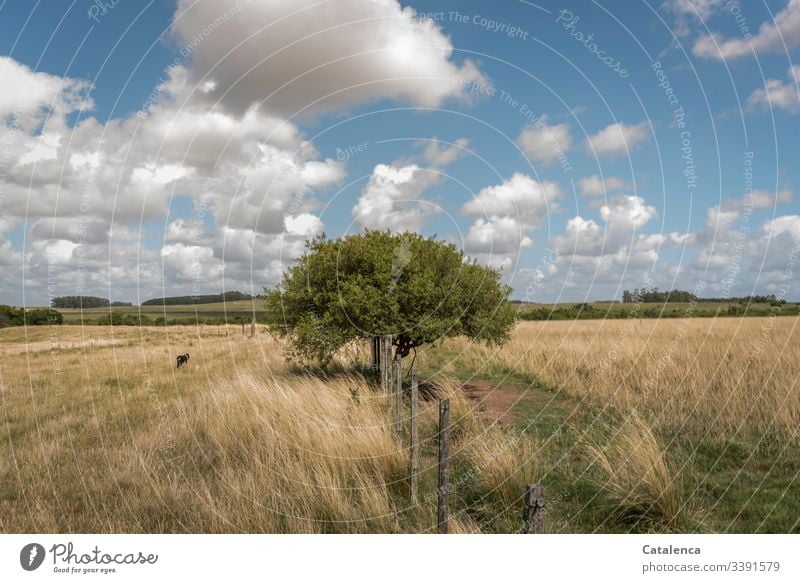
(533, 514)
(386, 363)
(414, 436)
(444, 454)
(253, 326)
(376, 354)
(382, 362)
(242, 328)
(381, 345)
(398, 413)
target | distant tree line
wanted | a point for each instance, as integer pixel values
(703, 309)
(230, 296)
(646, 296)
(11, 316)
(653, 295)
(121, 319)
(770, 299)
(78, 302)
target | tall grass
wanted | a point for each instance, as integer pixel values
(725, 377)
(102, 433)
(637, 478)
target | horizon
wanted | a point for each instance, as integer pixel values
(511, 300)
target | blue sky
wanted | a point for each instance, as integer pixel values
(583, 147)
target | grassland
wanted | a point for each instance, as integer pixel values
(102, 433)
(712, 406)
(654, 310)
(231, 312)
(234, 312)
(631, 425)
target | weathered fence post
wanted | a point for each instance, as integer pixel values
(386, 363)
(533, 514)
(376, 353)
(398, 413)
(242, 328)
(414, 430)
(253, 326)
(444, 453)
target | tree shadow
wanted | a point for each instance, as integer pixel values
(431, 389)
(337, 370)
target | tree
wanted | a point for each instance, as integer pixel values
(43, 317)
(78, 302)
(419, 290)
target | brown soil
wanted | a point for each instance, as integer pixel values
(491, 402)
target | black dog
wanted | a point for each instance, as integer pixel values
(182, 359)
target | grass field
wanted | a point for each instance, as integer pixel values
(234, 312)
(618, 310)
(715, 402)
(231, 311)
(632, 426)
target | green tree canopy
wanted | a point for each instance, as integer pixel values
(417, 289)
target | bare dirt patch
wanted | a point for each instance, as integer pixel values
(492, 402)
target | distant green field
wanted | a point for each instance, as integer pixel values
(614, 310)
(243, 310)
(232, 312)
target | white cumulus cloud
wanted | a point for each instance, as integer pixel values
(393, 199)
(617, 139)
(778, 94)
(292, 54)
(778, 35)
(442, 154)
(520, 196)
(594, 185)
(545, 143)
(508, 213)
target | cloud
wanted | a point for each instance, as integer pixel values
(778, 94)
(600, 257)
(70, 229)
(623, 218)
(729, 255)
(758, 199)
(627, 213)
(520, 196)
(545, 143)
(305, 225)
(291, 54)
(735, 258)
(496, 241)
(703, 9)
(617, 139)
(393, 199)
(508, 213)
(187, 232)
(777, 36)
(218, 130)
(437, 154)
(593, 186)
(30, 97)
(85, 190)
(786, 224)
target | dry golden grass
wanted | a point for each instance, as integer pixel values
(654, 412)
(102, 433)
(502, 464)
(724, 377)
(638, 478)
